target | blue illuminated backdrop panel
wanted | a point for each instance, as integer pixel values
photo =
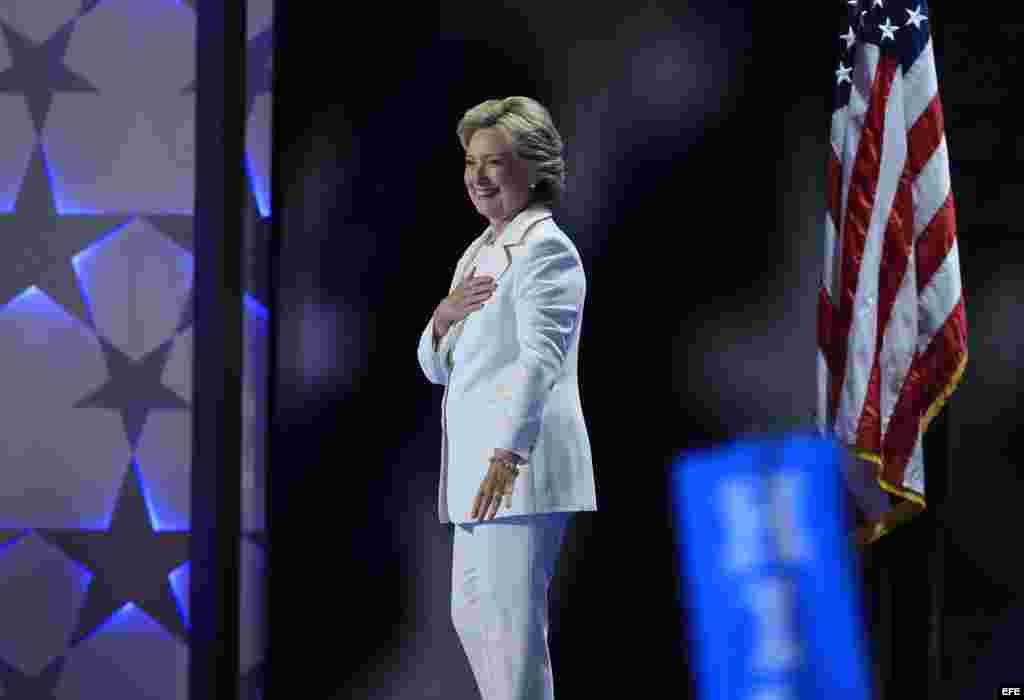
(769, 571)
(97, 99)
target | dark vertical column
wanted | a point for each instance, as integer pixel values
(277, 174)
(217, 360)
(938, 445)
(883, 619)
(937, 465)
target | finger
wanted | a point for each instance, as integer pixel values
(488, 501)
(476, 503)
(472, 288)
(494, 506)
(482, 496)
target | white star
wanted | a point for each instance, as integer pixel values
(877, 2)
(843, 73)
(887, 30)
(916, 17)
(850, 37)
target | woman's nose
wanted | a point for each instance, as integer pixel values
(477, 174)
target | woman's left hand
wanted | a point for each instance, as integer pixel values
(495, 486)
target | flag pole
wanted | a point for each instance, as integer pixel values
(938, 466)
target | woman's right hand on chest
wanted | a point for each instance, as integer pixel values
(468, 296)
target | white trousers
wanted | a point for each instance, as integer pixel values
(501, 570)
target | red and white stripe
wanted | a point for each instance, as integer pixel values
(891, 323)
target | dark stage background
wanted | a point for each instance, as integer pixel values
(696, 189)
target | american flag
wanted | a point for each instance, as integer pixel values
(892, 330)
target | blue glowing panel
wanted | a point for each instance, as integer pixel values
(17, 140)
(131, 656)
(180, 579)
(164, 463)
(768, 571)
(129, 146)
(83, 262)
(161, 517)
(40, 594)
(62, 464)
(164, 450)
(255, 309)
(259, 181)
(135, 274)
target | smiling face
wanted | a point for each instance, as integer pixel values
(497, 180)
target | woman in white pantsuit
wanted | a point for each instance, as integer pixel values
(515, 455)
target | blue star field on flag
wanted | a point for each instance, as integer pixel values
(895, 26)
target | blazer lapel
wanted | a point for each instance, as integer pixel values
(514, 237)
(466, 264)
(494, 260)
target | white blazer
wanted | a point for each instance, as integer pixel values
(509, 371)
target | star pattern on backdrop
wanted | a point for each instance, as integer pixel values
(258, 67)
(188, 312)
(20, 686)
(256, 265)
(176, 227)
(134, 388)
(130, 563)
(37, 244)
(39, 71)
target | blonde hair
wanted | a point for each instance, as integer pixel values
(534, 136)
